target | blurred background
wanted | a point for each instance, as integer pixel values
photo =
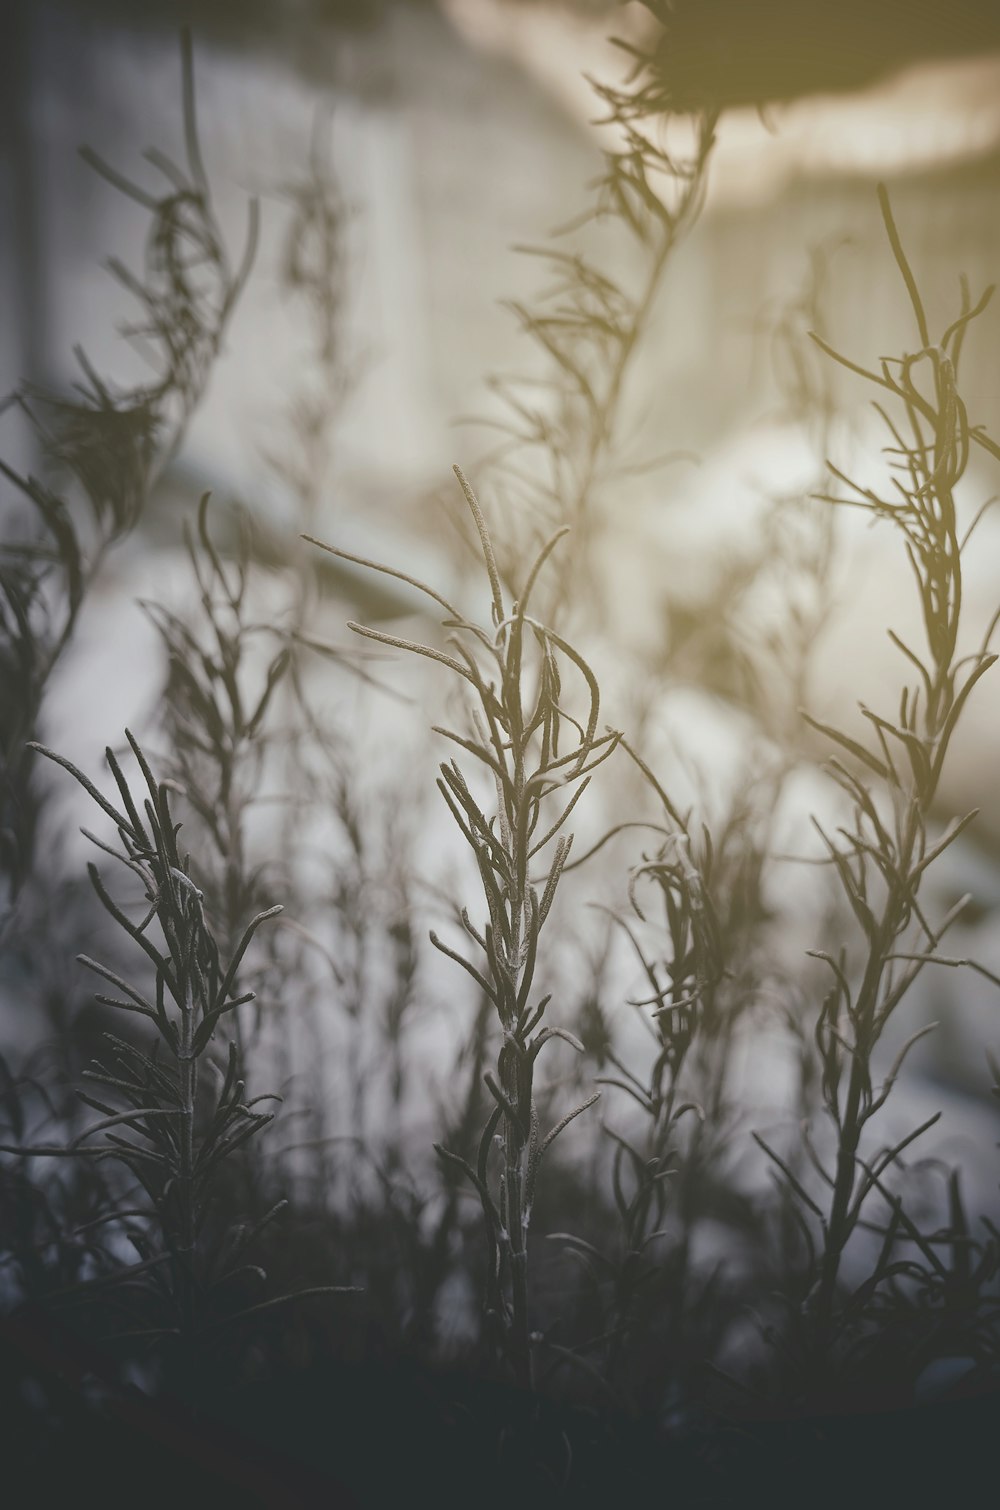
(439, 138)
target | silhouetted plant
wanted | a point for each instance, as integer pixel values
(315, 276)
(562, 428)
(107, 445)
(178, 1110)
(519, 726)
(214, 721)
(880, 860)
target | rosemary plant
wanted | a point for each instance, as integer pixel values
(107, 446)
(173, 1111)
(561, 430)
(215, 724)
(881, 858)
(314, 276)
(519, 736)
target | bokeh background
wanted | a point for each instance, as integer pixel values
(453, 133)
